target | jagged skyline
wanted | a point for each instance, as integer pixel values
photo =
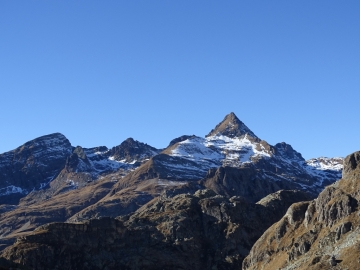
(100, 73)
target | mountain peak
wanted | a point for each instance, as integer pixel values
(231, 127)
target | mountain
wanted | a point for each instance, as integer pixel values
(32, 166)
(318, 234)
(35, 164)
(49, 180)
(231, 127)
(232, 144)
(237, 165)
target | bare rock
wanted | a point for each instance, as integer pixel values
(351, 166)
(317, 234)
(186, 231)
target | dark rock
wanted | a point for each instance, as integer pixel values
(244, 182)
(32, 165)
(231, 127)
(333, 261)
(282, 198)
(181, 139)
(343, 229)
(333, 205)
(315, 231)
(183, 232)
(287, 151)
(78, 161)
(130, 150)
(351, 163)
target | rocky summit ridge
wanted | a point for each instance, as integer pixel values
(32, 166)
(49, 180)
(231, 127)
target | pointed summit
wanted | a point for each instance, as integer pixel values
(231, 127)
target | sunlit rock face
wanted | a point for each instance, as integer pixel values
(318, 234)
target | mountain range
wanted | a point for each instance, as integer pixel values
(49, 180)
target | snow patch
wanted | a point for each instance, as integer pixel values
(11, 190)
(163, 182)
(220, 149)
(324, 163)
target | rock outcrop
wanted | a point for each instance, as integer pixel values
(245, 182)
(132, 151)
(200, 231)
(317, 234)
(351, 170)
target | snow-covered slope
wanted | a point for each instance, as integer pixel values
(241, 148)
(325, 163)
(325, 168)
(215, 151)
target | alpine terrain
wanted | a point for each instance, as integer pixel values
(318, 234)
(199, 203)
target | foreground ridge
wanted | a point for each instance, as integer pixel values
(317, 234)
(197, 231)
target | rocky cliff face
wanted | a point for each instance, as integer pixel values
(200, 231)
(319, 234)
(246, 182)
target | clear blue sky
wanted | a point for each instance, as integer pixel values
(102, 71)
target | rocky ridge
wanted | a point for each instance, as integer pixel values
(88, 183)
(199, 231)
(318, 234)
(79, 177)
(231, 143)
(32, 166)
(230, 166)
